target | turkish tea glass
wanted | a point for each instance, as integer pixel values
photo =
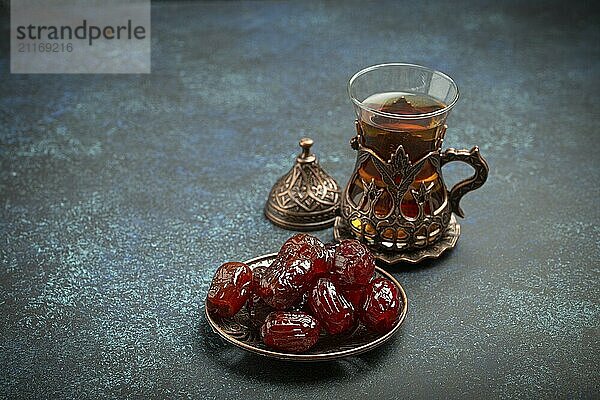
(396, 198)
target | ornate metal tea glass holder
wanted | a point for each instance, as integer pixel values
(395, 237)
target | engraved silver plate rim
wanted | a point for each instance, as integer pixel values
(446, 242)
(319, 356)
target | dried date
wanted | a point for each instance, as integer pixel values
(353, 264)
(230, 289)
(331, 308)
(382, 306)
(292, 331)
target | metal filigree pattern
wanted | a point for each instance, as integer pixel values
(306, 198)
(393, 235)
(394, 231)
(242, 329)
(446, 242)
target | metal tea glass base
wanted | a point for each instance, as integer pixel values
(445, 242)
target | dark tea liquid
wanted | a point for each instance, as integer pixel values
(417, 136)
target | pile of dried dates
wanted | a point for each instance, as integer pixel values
(309, 286)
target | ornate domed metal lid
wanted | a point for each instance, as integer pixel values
(306, 198)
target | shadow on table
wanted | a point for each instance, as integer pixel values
(270, 370)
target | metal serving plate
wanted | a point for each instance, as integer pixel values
(242, 330)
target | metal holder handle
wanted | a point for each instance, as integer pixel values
(475, 160)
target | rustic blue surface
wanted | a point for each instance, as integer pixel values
(120, 195)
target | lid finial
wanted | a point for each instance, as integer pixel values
(306, 156)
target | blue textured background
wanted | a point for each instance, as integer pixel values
(120, 196)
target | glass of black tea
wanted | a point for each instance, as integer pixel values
(396, 197)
